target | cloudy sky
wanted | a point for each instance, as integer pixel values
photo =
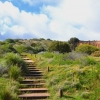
(53, 19)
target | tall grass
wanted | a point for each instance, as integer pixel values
(3, 69)
(8, 89)
(14, 72)
(14, 59)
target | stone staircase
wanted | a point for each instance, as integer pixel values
(33, 85)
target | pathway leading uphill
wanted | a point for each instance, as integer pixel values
(33, 85)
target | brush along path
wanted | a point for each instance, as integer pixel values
(33, 86)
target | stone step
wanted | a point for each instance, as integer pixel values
(37, 85)
(34, 70)
(34, 96)
(35, 90)
(31, 65)
(31, 77)
(33, 74)
(26, 58)
(33, 81)
(29, 62)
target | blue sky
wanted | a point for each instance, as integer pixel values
(54, 19)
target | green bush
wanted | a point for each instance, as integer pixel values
(48, 55)
(6, 48)
(85, 48)
(61, 47)
(15, 59)
(3, 69)
(23, 48)
(20, 48)
(9, 41)
(14, 72)
(88, 61)
(96, 54)
(74, 56)
(9, 92)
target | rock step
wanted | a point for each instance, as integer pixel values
(36, 90)
(35, 84)
(32, 86)
(33, 74)
(29, 62)
(26, 58)
(34, 96)
(34, 70)
(31, 77)
(31, 67)
(34, 80)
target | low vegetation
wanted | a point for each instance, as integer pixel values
(11, 69)
(8, 89)
(77, 74)
(67, 66)
(85, 48)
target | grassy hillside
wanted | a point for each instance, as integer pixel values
(78, 75)
(11, 69)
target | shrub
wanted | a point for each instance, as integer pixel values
(88, 61)
(8, 92)
(85, 48)
(14, 72)
(74, 56)
(23, 48)
(9, 41)
(96, 54)
(20, 48)
(6, 48)
(48, 55)
(3, 69)
(61, 47)
(14, 59)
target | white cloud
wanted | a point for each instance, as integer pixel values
(71, 18)
(21, 23)
(78, 18)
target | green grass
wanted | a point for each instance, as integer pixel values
(14, 59)
(10, 73)
(8, 89)
(78, 77)
(14, 72)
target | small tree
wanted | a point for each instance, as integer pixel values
(61, 47)
(9, 41)
(73, 42)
